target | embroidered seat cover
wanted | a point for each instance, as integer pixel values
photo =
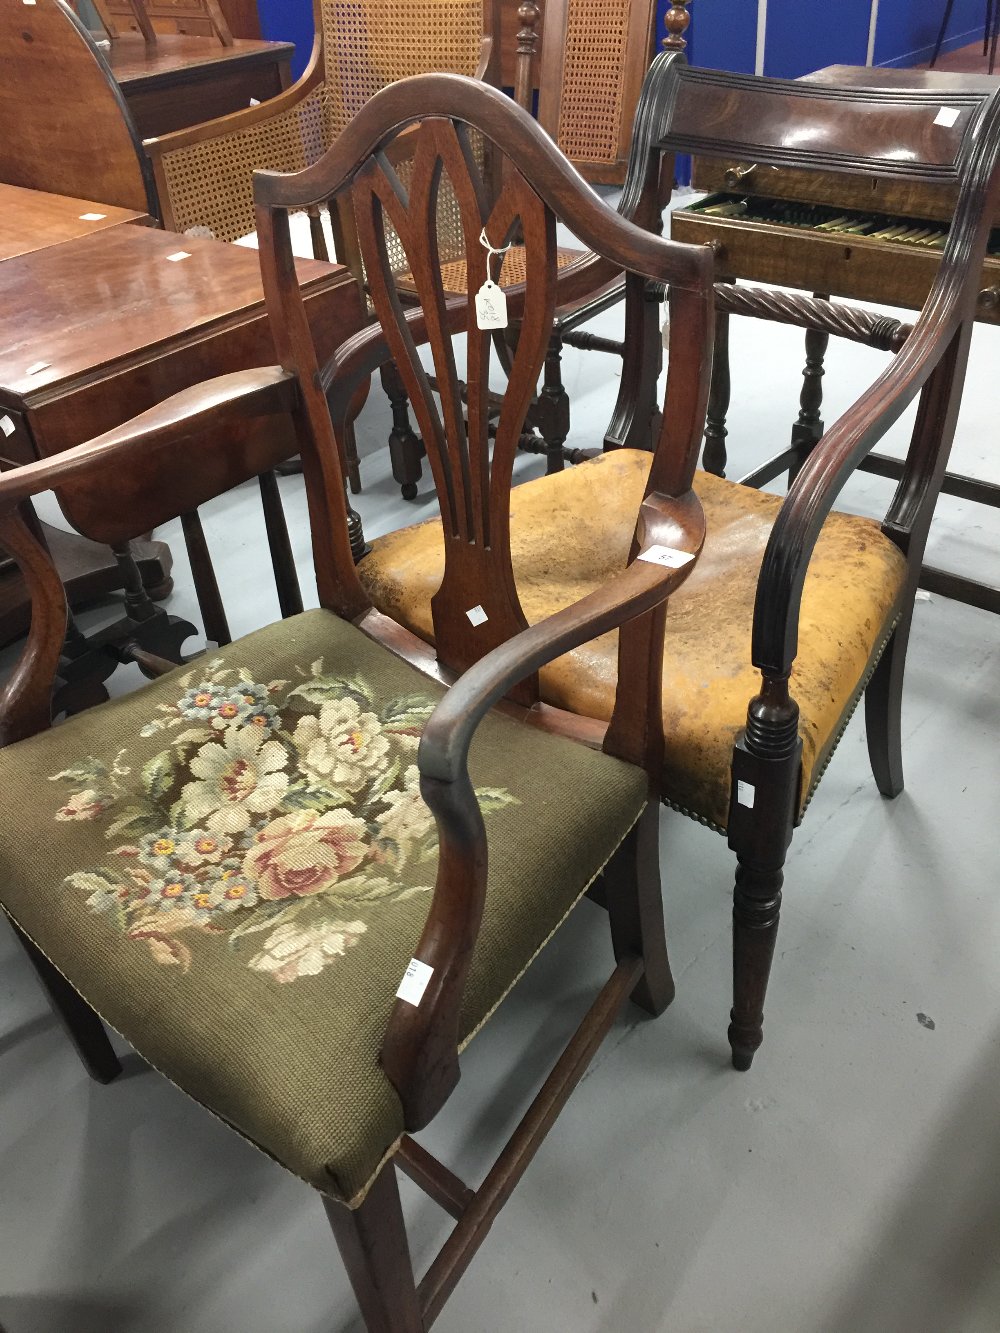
(233, 866)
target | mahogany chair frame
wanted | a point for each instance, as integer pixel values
(154, 460)
(760, 120)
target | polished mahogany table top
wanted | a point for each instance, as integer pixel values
(32, 220)
(874, 76)
(134, 61)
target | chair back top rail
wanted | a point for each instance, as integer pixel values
(67, 129)
(912, 134)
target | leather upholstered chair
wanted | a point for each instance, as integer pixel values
(308, 836)
(795, 611)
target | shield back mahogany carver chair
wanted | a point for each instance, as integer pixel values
(795, 611)
(310, 836)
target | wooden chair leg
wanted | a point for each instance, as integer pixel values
(550, 411)
(766, 774)
(949, 6)
(883, 708)
(373, 1245)
(631, 893)
(83, 1027)
(808, 428)
(405, 447)
(714, 451)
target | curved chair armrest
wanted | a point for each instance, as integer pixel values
(420, 1052)
(824, 474)
(241, 394)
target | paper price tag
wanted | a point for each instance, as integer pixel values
(491, 306)
(414, 983)
(745, 793)
(92, 217)
(665, 331)
(666, 556)
(37, 367)
(7, 426)
(477, 616)
(178, 255)
(947, 116)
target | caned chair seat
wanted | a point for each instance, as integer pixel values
(571, 530)
(238, 866)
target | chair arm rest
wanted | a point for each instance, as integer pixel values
(827, 469)
(244, 393)
(420, 1051)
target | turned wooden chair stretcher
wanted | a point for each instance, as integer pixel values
(823, 600)
(312, 813)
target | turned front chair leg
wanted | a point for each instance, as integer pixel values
(550, 411)
(767, 764)
(373, 1245)
(714, 453)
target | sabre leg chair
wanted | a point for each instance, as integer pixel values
(795, 611)
(300, 874)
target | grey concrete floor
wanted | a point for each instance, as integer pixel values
(850, 1183)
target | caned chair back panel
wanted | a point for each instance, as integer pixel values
(66, 128)
(594, 56)
(477, 607)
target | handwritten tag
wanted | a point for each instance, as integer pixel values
(7, 426)
(414, 983)
(745, 793)
(178, 255)
(92, 217)
(666, 556)
(665, 332)
(477, 616)
(947, 116)
(491, 306)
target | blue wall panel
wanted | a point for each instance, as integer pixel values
(803, 35)
(289, 21)
(722, 35)
(906, 32)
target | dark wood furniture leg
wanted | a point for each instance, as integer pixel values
(405, 447)
(373, 1245)
(807, 430)
(550, 410)
(635, 422)
(632, 895)
(763, 804)
(83, 1027)
(949, 6)
(883, 705)
(714, 454)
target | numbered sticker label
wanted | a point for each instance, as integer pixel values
(947, 116)
(477, 616)
(414, 983)
(666, 556)
(745, 793)
(7, 426)
(92, 217)
(178, 255)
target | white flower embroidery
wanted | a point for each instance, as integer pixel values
(342, 747)
(294, 951)
(239, 776)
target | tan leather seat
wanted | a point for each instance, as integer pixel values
(571, 531)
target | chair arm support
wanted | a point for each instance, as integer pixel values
(824, 474)
(242, 394)
(420, 1051)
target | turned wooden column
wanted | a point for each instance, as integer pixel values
(527, 47)
(676, 20)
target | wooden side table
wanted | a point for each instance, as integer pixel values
(31, 219)
(100, 328)
(182, 81)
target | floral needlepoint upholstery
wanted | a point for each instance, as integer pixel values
(233, 866)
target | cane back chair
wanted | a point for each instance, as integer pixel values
(254, 837)
(794, 611)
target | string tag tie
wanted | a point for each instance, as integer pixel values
(491, 300)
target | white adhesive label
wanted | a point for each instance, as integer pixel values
(745, 793)
(178, 255)
(947, 116)
(666, 331)
(414, 983)
(255, 101)
(491, 306)
(29, 2)
(37, 367)
(7, 426)
(477, 616)
(92, 217)
(666, 556)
